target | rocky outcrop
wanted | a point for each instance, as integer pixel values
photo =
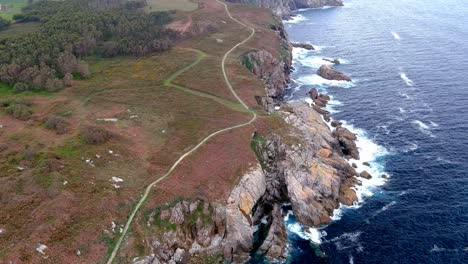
(185, 229)
(273, 71)
(347, 142)
(316, 173)
(268, 68)
(284, 8)
(329, 73)
(274, 245)
(239, 215)
(306, 46)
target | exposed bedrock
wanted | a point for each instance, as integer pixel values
(269, 69)
(329, 73)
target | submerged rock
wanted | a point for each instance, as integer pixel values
(334, 61)
(329, 73)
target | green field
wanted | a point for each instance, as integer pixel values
(165, 5)
(15, 7)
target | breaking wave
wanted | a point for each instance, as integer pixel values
(405, 78)
(319, 81)
(395, 35)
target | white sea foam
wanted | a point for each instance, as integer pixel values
(395, 35)
(369, 151)
(312, 234)
(411, 147)
(385, 207)
(332, 104)
(317, 61)
(402, 110)
(425, 129)
(434, 124)
(296, 19)
(351, 260)
(319, 81)
(405, 78)
(404, 95)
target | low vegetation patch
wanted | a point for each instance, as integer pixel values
(17, 108)
(58, 124)
(96, 135)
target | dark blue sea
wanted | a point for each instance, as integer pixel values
(409, 105)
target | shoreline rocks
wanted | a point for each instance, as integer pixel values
(306, 46)
(329, 73)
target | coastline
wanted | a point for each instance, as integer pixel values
(310, 167)
(368, 150)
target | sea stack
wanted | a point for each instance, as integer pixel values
(329, 73)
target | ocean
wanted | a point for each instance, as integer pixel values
(409, 105)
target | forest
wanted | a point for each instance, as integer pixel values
(52, 56)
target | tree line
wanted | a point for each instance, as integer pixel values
(50, 57)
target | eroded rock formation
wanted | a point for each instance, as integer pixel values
(329, 73)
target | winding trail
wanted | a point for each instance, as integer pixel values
(168, 82)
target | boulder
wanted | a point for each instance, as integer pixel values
(365, 175)
(324, 97)
(320, 103)
(336, 123)
(329, 73)
(384, 176)
(354, 165)
(320, 110)
(313, 93)
(306, 46)
(366, 164)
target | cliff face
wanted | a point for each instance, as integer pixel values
(311, 174)
(283, 8)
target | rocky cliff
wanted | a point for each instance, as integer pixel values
(311, 174)
(284, 8)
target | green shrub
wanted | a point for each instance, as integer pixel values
(19, 111)
(21, 87)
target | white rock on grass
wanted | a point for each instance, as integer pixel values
(40, 248)
(116, 179)
(107, 119)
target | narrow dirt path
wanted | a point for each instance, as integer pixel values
(151, 185)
